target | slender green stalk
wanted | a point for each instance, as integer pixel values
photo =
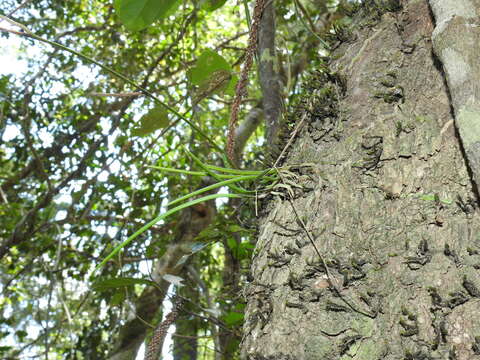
(178, 171)
(189, 172)
(147, 226)
(215, 175)
(235, 171)
(214, 186)
(247, 14)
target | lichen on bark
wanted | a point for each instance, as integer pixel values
(456, 44)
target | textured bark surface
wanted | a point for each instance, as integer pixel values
(456, 41)
(390, 205)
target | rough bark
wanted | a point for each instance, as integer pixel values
(456, 42)
(390, 206)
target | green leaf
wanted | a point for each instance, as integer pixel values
(155, 119)
(236, 228)
(208, 234)
(233, 318)
(212, 74)
(196, 247)
(248, 246)
(138, 14)
(231, 86)
(207, 63)
(211, 187)
(147, 226)
(104, 284)
(211, 5)
(118, 298)
(232, 244)
(217, 82)
(22, 334)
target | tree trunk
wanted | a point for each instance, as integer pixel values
(388, 204)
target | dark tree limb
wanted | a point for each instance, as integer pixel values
(269, 78)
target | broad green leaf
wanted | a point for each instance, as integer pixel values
(232, 244)
(118, 298)
(155, 119)
(207, 63)
(230, 88)
(208, 234)
(236, 228)
(233, 318)
(138, 14)
(211, 5)
(212, 74)
(217, 82)
(196, 247)
(103, 284)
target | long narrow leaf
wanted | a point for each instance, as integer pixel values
(214, 186)
(156, 220)
(179, 171)
(236, 171)
(103, 284)
(189, 172)
(215, 175)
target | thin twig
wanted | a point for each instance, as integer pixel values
(120, 95)
(22, 5)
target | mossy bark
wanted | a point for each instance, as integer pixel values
(390, 206)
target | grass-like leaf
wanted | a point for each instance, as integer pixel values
(103, 284)
(156, 220)
(214, 186)
(216, 176)
(189, 172)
